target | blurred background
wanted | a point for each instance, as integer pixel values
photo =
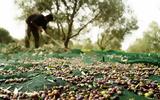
(129, 25)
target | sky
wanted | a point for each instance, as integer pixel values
(146, 11)
(8, 13)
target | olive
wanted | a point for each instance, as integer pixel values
(147, 94)
(79, 97)
(139, 93)
(119, 92)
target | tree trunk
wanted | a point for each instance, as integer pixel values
(66, 42)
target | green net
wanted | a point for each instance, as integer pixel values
(41, 78)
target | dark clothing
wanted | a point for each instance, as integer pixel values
(37, 19)
(34, 22)
(35, 33)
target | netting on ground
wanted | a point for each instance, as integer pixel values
(114, 56)
(105, 56)
(84, 72)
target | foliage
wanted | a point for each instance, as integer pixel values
(114, 34)
(72, 17)
(87, 44)
(150, 41)
(77, 45)
(17, 47)
(5, 37)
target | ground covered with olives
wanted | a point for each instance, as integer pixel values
(71, 78)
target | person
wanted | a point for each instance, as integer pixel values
(35, 24)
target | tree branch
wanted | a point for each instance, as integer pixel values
(65, 3)
(64, 34)
(58, 27)
(84, 26)
(70, 23)
(74, 9)
(57, 6)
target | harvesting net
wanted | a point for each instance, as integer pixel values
(38, 71)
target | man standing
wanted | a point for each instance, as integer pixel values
(35, 24)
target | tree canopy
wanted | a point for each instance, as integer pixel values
(150, 41)
(5, 36)
(72, 17)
